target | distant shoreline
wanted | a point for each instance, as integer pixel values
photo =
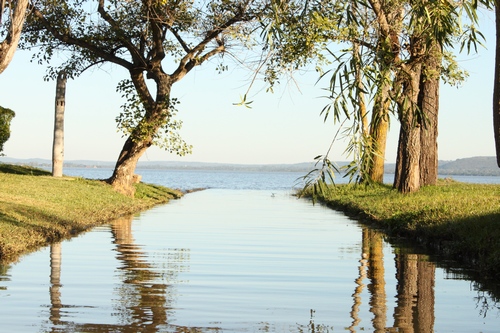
(473, 166)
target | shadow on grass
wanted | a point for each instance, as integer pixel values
(22, 170)
(38, 228)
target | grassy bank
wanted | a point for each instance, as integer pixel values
(36, 209)
(460, 221)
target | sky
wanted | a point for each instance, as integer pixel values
(281, 127)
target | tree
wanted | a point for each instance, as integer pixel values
(6, 116)
(15, 12)
(58, 143)
(399, 64)
(144, 37)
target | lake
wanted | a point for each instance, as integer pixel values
(243, 256)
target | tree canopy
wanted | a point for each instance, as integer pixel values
(6, 116)
(157, 40)
(383, 54)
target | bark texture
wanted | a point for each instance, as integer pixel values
(428, 103)
(58, 142)
(378, 133)
(9, 45)
(124, 176)
(407, 177)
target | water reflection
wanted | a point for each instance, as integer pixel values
(145, 294)
(389, 292)
(55, 284)
(414, 311)
(415, 304)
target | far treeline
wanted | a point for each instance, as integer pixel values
(381, 57)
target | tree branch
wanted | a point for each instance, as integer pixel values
(9, 45)
(137, 56)
(68, 39)
(189, 61)
(179, 39)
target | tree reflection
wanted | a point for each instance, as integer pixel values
(55, 284)
(414, 311)
(363, 266)
(376, 274)
(371, 267)
(145, 294)
(415, 302)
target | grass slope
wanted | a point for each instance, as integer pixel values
(458, 220)
(36, 209)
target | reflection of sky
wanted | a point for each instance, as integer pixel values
(284, 127)
(231, 259)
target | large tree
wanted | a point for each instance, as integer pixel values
(12, 17)
(394, 62)
(157, 40)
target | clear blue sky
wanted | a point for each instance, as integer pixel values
(284, 127)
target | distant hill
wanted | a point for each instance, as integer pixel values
(481, 165)
(471, 166)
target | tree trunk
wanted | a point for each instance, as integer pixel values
(141, 138)
(408, 159)
(428, 103)
(9, 45)
(58, 143)
(407, 177)
(496, 89)
(390, 20)
(378, 134)
(124, 177)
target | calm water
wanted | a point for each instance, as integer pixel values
(236, 258)
(192, 179)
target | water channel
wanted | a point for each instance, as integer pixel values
(238, 260)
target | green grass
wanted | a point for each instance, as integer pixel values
(36, 209)
(457, 220)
